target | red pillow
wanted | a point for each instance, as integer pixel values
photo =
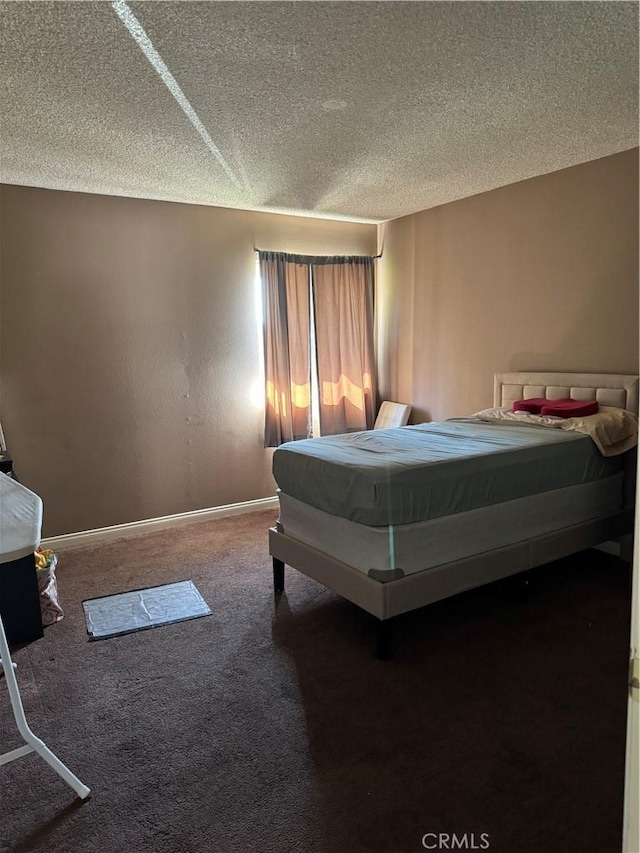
(533, 405)
(570, 408)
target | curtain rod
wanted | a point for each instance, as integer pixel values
(317, 256)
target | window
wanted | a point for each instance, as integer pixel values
(318, 337)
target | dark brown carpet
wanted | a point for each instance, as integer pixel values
(274, 730)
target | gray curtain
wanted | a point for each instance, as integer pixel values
(343, 310)
(285, 300)
(343, 290)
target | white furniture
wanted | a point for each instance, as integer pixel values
(392, 415)
(484, 562)
(32, 743)
(20, 524)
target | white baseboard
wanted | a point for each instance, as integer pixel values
(149, 525)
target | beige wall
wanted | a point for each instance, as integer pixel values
(130, 350)
(542, 275)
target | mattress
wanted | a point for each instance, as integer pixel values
(391, 552)
(427, 471)
(20, 520)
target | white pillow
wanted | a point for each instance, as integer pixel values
(613, 430)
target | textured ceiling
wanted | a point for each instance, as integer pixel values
(365, 110)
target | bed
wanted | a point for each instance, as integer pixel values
(489, 498)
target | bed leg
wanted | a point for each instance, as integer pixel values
(278, 575)
(383, 639)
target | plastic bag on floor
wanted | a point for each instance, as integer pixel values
(50, 609)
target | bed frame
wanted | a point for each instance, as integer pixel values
(386, 600)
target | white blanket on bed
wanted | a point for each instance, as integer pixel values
(612, 430)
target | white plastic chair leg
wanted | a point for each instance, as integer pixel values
(33, 743)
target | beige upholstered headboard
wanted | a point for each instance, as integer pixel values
(609, 389)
